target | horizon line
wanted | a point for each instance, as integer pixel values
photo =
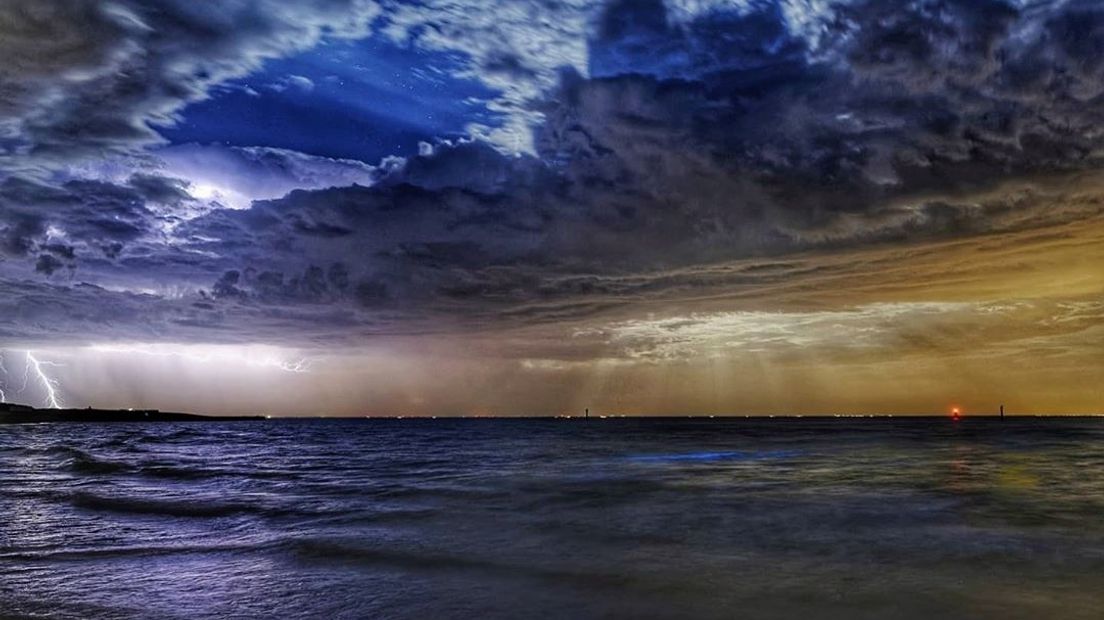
(595, 416)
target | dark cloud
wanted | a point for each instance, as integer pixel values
(83, 219)
(88, 78)
(694, 143)
(19, 234)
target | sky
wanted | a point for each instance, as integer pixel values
(532, 207)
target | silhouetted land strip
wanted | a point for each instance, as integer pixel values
(11, 413)
(22, 414)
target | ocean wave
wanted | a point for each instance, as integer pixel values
(421, 490)
(93, 553)
(82, 462)
(180, 432)
(185, 472)
(325, 550)
(197, 507)
(708, 456)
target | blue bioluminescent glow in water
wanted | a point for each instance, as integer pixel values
(554, 518)
(713, 456)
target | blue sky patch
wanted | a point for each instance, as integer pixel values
(360, 100)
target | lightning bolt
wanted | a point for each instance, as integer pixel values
(38, 368)
(298, 366)
(26, 377)
(48, 384)
(3, 369)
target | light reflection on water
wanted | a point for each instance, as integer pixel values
(661, 518)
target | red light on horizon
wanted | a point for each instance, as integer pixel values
(955, 413)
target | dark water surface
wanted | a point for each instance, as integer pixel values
(778, 518)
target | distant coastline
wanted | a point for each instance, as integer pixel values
(11, 413)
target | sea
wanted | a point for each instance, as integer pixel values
(795, 518)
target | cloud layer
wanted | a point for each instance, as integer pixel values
(657, 161)
(88, 78)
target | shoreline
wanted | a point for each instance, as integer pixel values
(21, 414)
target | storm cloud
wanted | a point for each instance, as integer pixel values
(714, 158)
(89, 78)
